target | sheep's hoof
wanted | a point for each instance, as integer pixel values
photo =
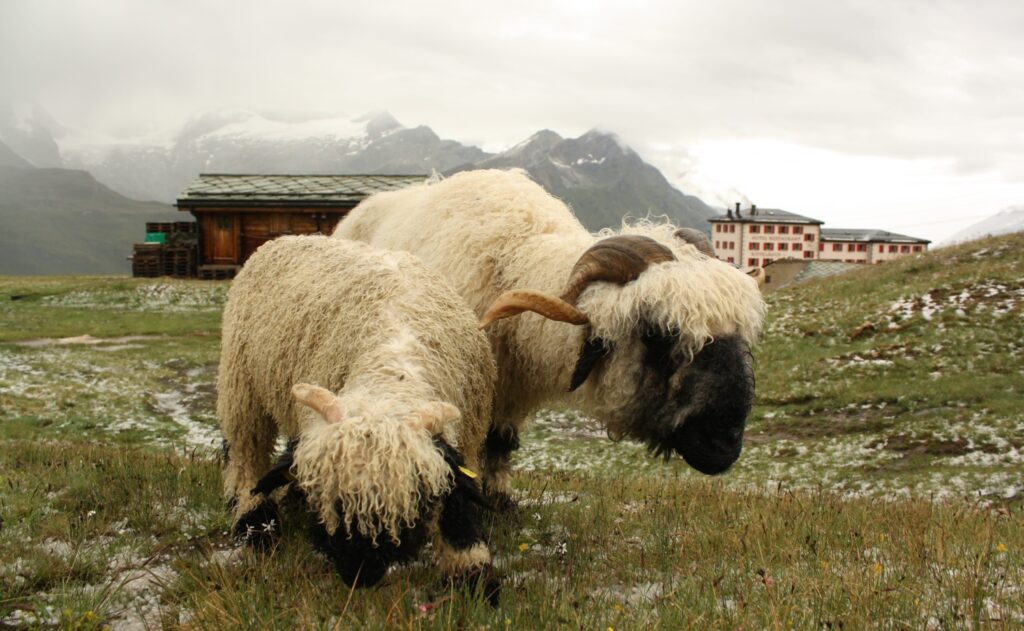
(481, 580)
(502, 502)
(260, 528)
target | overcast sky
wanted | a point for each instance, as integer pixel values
(903, 115)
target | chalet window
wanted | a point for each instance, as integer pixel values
(730, 259)
(751, 262)
(918, 248)
(783, 229)
(809, 255)
(892, 248)
(755, 246)
(850, 247)
(783, 246)
(798, 246)
(718, 227)
(837, 247)
(718, 244)
(821, 247)
(881, 248)
(904, 248)
(769, 246)
(862, 247)
(732, 228)
(798, 229)
(769, 229)
(809, 236)
(755, 229)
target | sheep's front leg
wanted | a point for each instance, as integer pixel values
(463, 551)
(500, 443)
(249, 446)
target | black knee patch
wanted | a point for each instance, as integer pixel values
(260, 527)
(500, 443)
(359, 561)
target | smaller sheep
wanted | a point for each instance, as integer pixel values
(386, 444)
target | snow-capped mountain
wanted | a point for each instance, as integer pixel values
(242, 141)
(1008, 220)
(601, 178)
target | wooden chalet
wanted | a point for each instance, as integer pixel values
(235, 214)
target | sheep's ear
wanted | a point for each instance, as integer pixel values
(593, 351)
(758, 274)
(320, 400)
(434, 416)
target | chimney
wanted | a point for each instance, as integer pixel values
(728, 213)
(753, 209)
(737, 207)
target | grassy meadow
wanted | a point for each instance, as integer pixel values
(881, 482)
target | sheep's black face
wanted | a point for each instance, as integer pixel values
(357, 559)
(696, 408)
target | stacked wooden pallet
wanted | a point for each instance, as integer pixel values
(146, 260)
(170, 251)
(218, 272)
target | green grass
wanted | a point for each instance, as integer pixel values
(880, 485)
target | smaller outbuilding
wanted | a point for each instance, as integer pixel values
(236, 214)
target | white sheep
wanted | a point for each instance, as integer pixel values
(387, 449)
(661, 335)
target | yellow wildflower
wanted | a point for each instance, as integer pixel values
(1001, 547)
(523, 547)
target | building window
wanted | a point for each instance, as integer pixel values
(769, 246)
(755, 229)
(881, 248)
(732, 228)
(769, 229)
(892, 248)
(798, 246)
(837, 247)
(918, 248)
(730, 259)
(783, 229)
(808, 254)
(751, 262)
(850, 247)
(718, 245)
(798, 229)
(755, 246)
(821, 247)
(783, 246)
(904, 248)
(862, 247)
(809, 236)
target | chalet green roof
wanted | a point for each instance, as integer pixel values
(317, 190)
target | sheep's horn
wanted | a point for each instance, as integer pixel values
(320, 400)
(435, 415)
(618, 259)
(517, 301)
(696, 238)
(758, 275)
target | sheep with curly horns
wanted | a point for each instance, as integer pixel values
(643, 328)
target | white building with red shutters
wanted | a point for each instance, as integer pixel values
(757, 236)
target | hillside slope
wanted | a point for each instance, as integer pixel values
(64, 221)
(903, 376)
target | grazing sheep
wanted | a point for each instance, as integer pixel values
(385, 454)
(659, 350)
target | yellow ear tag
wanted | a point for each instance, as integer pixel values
(466, 472)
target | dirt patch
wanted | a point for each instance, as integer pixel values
(87, 340)
(820, 426)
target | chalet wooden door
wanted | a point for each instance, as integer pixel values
(220, 239)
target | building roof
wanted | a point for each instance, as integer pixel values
(286, 190)
(767, 215)
(856, 234)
